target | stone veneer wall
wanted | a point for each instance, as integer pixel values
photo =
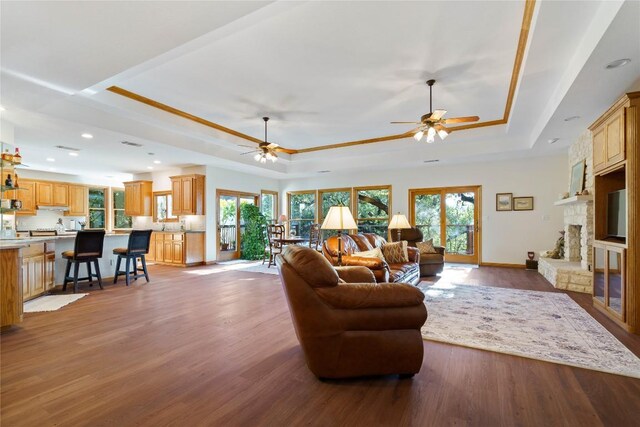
(580, 213)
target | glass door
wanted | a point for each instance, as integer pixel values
(230, 223)
(449, 216)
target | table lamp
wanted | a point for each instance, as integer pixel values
(339, 218)
(399, 222)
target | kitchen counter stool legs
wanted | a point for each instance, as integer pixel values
(138, 247)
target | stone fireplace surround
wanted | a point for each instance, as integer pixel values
(574, 271)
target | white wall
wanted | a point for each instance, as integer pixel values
(506, 236)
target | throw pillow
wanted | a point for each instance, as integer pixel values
(395, 253)
(373, 253)
(426, 247)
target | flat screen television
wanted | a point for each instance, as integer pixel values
(617, 214)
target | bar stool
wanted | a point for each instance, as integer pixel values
(137, 247)
(87, 249)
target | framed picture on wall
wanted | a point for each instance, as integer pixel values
(504, 201)
(523, 203)
(577, 178)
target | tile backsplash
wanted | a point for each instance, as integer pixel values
(191, 222)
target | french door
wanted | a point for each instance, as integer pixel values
(230, 223)
(449, 216)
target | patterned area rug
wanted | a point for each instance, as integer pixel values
(50, 302)
(546, 326)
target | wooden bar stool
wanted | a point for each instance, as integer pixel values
(137, 247)
(87, 249)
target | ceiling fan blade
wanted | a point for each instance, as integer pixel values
(405, 123)
(462, 119)
(250, 152)
(440, 127)
(437, 114)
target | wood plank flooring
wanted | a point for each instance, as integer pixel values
(203, 346)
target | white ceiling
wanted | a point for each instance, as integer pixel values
(326, 72)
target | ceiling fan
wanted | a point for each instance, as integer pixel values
(266, 150)
(432, 122)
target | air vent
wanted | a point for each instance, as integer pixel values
(553, 140)
(431, 161)
(324, 171)
(62, 147)
(132, 144)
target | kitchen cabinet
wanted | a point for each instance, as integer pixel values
(187, 193)
(78, 200)
(27, 195)
(177, 248)
(52, 194)
(33, 271)
(10, 287)
(137, 198)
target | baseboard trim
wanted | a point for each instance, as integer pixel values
(501, 265)
(211, 262)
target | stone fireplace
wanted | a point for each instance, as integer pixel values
(574, 271)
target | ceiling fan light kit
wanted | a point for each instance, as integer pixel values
(266, 150)
(433, 122)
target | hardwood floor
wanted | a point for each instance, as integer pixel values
(203, 346)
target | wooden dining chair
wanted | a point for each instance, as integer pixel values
(275, 232)
(315, 237)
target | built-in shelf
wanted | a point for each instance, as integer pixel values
(8, 210)
(7, 188)
(574, 200)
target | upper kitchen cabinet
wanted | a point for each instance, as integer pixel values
(138, 198)
(187, 192)
(78, 200)
(27, 195)
(52, 194)
(609, 136)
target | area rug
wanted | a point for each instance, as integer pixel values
(50, 302)
(249, 266)
(547, 326)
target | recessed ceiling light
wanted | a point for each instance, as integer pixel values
(617, 63)
(52, 169)
(73, 153)
(149, 167)
(2, 108)
(553, 140)
(87, 136)
(157, 162)
(50, 159)
(568, 119)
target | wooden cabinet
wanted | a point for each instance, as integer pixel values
(78, 200)
(52, 193)
(10, 286)
(187, 193)
(609, 138)
(27, 195)
(616, 160)
(176, 248)
(49, 271)
(33, 271)
(137, 198)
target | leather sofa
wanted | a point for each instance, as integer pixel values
(408, 272)
(348, 325)
(430, 264)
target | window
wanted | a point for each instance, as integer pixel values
(120, 220)
(269, 205)
(97, 212)
(372, 209)
(162, 205)
(332, 197)
(302, 212)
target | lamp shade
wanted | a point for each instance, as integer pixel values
(283, 218)
(339, 218)
(399, 221)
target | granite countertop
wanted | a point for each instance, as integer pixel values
(179, 231)
(26, 241)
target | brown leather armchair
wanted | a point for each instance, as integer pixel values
(430, 264)
(351, 327)
(408, 272)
